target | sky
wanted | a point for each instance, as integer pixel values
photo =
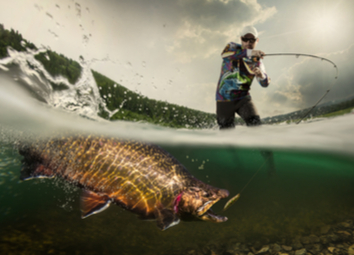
(170, 50)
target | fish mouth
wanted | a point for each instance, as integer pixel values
(204, 208)
(222, 193)
(211, 216)
(205, 212)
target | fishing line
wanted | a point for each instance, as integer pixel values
(236, 197)
(254, 175)
(312, 56)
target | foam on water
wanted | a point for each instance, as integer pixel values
(22, 113)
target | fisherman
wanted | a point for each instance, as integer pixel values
(241, 63)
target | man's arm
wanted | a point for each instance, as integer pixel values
(261, 75)
(233, 51)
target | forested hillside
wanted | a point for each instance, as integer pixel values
(126, 104)
(13, 39)
(321, 110)
(55, 64)
(135, 107)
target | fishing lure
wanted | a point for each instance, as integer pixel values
(231, 201)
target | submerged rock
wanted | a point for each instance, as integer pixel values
(296, 244)
(263, 250)
(337, 241)
(310, 239)
(324, 239)
(275, 249)
(233, 247)
(351, 250)
(287, 248)
(344, 235)
(325, 229)
(333, 238)
(346, 224)
(300, 252)
(314, 248)
(331, 249)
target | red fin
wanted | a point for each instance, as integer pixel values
(92, 203)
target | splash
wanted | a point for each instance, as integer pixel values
(83, 97)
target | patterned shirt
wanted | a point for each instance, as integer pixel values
(236, 73)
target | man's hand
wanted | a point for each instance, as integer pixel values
(258, 53)
(257, 71)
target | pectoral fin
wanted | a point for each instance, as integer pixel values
(92, 203)
(165, 218)
(35, 170)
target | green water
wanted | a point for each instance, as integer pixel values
(304, 191)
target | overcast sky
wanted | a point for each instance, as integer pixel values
(170, 49)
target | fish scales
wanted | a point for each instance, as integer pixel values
(141, 177)
(104, 164)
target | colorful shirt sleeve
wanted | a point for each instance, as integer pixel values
(232, 52)
(236, 74)
(263, 82)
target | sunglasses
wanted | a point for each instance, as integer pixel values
(251, 40)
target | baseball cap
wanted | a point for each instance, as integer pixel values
(249, 30)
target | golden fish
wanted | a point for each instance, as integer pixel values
(140, 177)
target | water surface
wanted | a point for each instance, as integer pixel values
(306, 184)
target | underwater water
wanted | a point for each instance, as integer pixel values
(293, 179)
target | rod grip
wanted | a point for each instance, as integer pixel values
(255, 58)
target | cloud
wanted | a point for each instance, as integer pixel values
(203, 24)
(184, 34)
(304, 83)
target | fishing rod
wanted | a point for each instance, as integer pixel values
(232, 200)
(305, 55)
(237, 196)
(312, 56)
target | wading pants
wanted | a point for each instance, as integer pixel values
(225, 112)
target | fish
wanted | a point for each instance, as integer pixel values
(231, 201)
(140, 177)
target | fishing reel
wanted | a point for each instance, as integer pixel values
(255, 58)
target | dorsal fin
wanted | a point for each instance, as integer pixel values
(92, 203)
